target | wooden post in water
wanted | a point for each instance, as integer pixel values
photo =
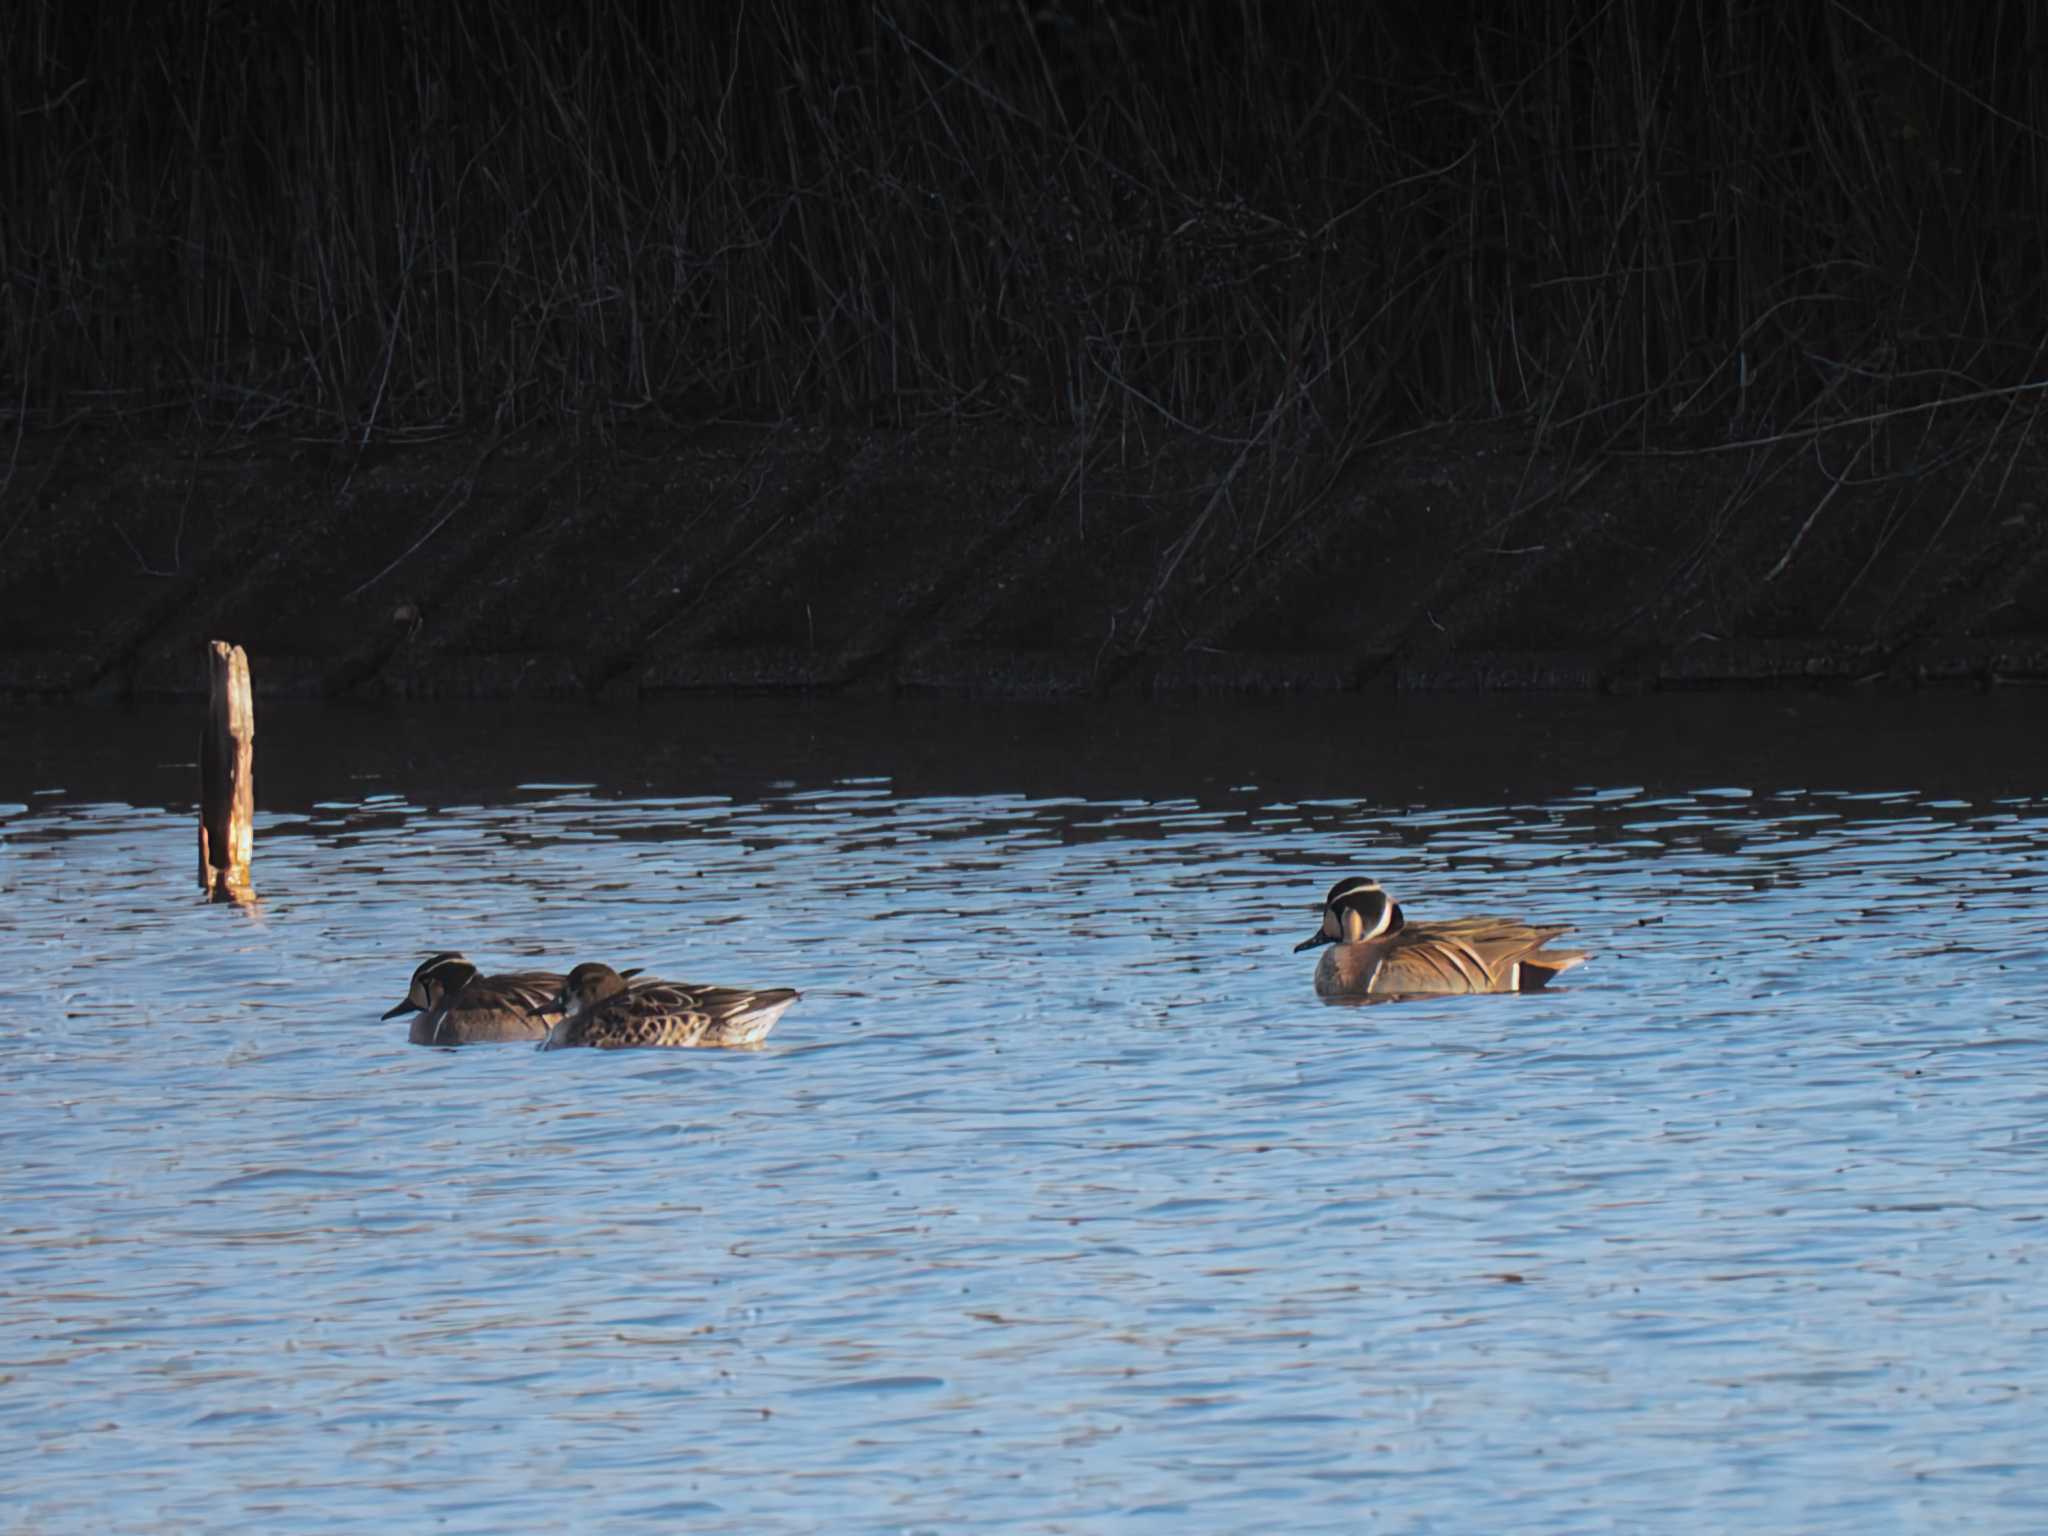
(227, 777)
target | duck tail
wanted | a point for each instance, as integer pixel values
(751, 1027)
(1537, 970)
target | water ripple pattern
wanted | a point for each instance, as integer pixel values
(1060, 1203)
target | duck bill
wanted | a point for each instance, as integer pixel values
(405, 1007)
(1312, 941)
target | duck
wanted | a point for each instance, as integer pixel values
(457, 1006)
(609, 1011)
(1376, 952)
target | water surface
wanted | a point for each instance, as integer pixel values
(1059, 1203)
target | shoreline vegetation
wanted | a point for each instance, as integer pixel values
(1073, 347)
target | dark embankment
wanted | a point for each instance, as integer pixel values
(1038, 349)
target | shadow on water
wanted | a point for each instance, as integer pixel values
(1383, 748)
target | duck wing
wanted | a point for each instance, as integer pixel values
(519, 1005)
(676, 1015)
(1473, 954)
(535, 991)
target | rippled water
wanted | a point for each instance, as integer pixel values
(1059, 1203)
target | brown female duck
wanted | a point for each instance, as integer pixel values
(602, 1009)
(1376, 952)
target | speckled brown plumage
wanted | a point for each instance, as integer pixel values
(1375, 952)
(456, 1006)
(602, 1010)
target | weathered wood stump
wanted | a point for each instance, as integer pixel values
(227, 778)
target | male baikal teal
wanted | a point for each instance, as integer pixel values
(1376, 952)
(458, 1006)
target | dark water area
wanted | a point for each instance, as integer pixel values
(1378, 748)
(1059, 1202)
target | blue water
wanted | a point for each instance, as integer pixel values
(1059, 1202)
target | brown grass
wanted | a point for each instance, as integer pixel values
(1660, 224)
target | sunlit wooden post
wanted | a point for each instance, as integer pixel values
(227, 777)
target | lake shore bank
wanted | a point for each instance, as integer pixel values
(1001, 560)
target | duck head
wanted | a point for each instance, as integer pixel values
(589, 984)
(438, 977)
(1355, 910)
